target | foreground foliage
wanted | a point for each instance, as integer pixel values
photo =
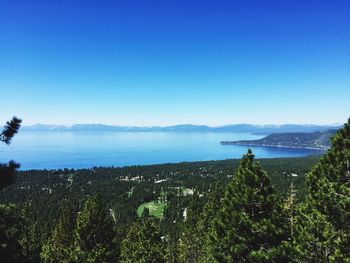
(324, 230)
(7, 171)
(250, 225)
(143, 243)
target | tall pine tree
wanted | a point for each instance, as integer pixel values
(250, 226)
(94, 233)
(60, 246)
(30, 239)
(191, 239)
(324, 223)
(205, 224)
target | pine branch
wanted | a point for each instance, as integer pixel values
(10, 129)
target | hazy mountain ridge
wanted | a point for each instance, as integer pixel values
(249, 128)
(315, 140)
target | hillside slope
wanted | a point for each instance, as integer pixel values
(314, 140)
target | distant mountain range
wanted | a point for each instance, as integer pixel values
(247, 128)
(313, 140)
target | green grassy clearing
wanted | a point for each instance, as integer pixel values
(155, 210)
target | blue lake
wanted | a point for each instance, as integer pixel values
(53, 150)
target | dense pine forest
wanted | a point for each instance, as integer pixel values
(248, 210)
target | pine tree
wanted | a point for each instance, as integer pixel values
(60, 246)
(30, 240)
(94, 232)
(10, 223)
(250, 226)
(291, 212)
(143, 244)
(315, 239)
(324, 225)
(7, 171)
(205, 223)
(191, 240)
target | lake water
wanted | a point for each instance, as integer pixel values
(53, 150)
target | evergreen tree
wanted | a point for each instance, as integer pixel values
(250, 226)
(10, 223)
(60, 246)
(205, 223)
(7, 170)
(191, 240)
(94, 233)
(315, 239)
(30, 239)
(194, 241)
(143, 244)
(324, 231)
(291, 211)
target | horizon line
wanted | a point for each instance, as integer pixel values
(181, 124)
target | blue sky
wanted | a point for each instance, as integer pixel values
(168, 62)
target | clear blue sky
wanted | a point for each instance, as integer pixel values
(149, 62)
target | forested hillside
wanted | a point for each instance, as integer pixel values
(313, 140)
(44, 193)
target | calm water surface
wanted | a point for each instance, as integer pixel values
(52, 150)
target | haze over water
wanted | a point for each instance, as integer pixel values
(55, 150)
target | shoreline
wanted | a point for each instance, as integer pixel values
(274, 146)
(158, 164)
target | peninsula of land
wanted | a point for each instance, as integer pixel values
(320, 140)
